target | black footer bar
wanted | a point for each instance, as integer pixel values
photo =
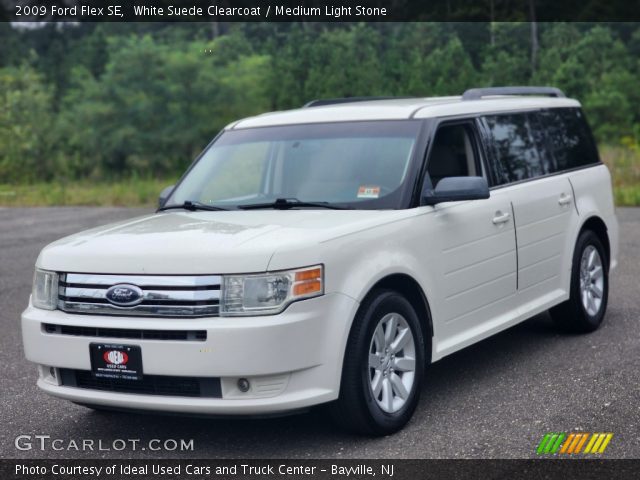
(16, 469)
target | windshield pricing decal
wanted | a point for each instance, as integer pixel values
(368, 191)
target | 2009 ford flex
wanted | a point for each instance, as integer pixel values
(328, 254)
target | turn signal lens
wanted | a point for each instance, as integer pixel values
(269, 293)
(312, 274)
(307, 287)
(308, 282)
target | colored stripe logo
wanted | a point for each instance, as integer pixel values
(573, 443)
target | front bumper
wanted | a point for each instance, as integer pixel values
(292, 360)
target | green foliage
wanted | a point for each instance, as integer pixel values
(111, 101)
(507, 61)
(338, 60)
(155, 105)
(446, 70)
(26, 120)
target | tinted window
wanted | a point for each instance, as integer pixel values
(566, 140)
(514, 148)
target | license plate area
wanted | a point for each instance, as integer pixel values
(116, 361)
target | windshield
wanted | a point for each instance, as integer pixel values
(359, 165)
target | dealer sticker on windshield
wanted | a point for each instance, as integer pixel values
(369, 191)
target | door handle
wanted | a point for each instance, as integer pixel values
(501, 218)
(564, 199)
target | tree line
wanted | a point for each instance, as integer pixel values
(111, 101)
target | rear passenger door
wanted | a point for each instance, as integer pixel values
(543, 206)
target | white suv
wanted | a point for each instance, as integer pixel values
(328, 254)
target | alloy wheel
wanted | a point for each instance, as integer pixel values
(392, 362)
(591, 280)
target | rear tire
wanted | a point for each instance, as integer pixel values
(383, 366)
(587, 304)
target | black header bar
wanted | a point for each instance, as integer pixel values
(318, 11)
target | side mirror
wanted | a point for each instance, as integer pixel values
(455, 189)
(164, 195)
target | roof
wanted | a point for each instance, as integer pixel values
(402, 109)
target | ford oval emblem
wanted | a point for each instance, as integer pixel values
(124, 295)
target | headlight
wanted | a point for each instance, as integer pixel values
(45, 290)
(269, 293)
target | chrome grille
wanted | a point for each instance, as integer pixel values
(162, 296)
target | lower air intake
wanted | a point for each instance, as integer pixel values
(205, 387)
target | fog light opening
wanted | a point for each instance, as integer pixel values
(244, 385)
(52, 372)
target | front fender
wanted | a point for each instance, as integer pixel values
(354, 263)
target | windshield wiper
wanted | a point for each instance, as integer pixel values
(287, 203)
(192, 206)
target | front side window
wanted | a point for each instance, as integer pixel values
(514, 148)
(358, 165)
(453, 153)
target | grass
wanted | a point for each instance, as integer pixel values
(623, 162)
(132, 192)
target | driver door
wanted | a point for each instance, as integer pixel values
(475, 244)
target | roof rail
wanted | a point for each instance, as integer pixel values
(479, 93)
(335, 101)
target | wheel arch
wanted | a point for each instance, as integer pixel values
(599, 227)
(411, 289)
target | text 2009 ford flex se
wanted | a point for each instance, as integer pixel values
(328, 254)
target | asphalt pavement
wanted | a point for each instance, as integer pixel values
(495, 399)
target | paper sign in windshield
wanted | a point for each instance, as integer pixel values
(368, 191)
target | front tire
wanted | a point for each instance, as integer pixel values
(587, 304)
(383, 366)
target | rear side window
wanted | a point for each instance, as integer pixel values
(532, 144)
(514, 148)
(566, 140)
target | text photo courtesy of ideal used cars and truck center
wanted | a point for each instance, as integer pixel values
(319, 239)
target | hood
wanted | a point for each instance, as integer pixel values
(201, 242)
